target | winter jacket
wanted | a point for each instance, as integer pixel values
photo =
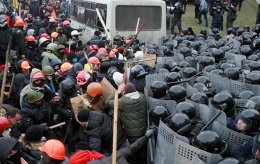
(177, 13)
(127, 153)
(231, 15)
(99, 133)
(47, 57)
(203, 6)
(48, 95)
(18, 41)
(244, 152)
(5, 34)
(217, 20)
(33, 56)
(32, 114)
(132, 113)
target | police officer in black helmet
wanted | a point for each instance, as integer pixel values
(137, 77)
(249, 152)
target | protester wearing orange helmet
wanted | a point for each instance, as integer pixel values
(53, 152)
(19, 37)
(37, 82)
(30, 51)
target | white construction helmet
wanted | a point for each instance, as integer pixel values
(42, 40)
(118, 78)
(74, 32)
(139, 55)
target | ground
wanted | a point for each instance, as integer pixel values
(246, 16)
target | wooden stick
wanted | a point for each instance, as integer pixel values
(20, 12)
(137, 25)
(69, 47)
(7, 54)
(57, 125)
(12, 84)
(115, 129)
(103, 23)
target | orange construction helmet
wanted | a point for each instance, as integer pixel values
(4, 124)
(30, 39)
(54, 149)
(25, 65)
(45, 35)
(65, 67)
(94, 89)
(38, 75)
(19, 23)
(102, 50)
(112, 53)
(93, 60)
(54, 34)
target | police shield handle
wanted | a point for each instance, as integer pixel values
(5, 71)
(115, 128)
(103, 23)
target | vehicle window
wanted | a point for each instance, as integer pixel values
(150, 15)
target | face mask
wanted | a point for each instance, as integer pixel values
(49, 78)
(74, 60)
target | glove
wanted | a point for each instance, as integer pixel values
(150, 131)
(69, 114)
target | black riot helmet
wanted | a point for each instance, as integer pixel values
(224, 101)
(159, 89)
(201, 87)
(177, 93)
(159, 112)
(170, 65)
(246, 38)
(208, 141)
(177, 121)
(169, 45)
(251, 118)
(215, 30)
(254, 65)
(186, 108)
(217, 71)
(252, 78)
(230, 30)
(253, 57)
(247, 28)
(200, 97)
(185, 51)
(240, 32)
(173, 77)
(203, 31)
(256, 44)
(229, 160)
(246, 94)
(184, 64)
(225, 66)
(195, 45)
(138, 71)
(203, 79)
(67, 86)
(232, 73)
(218, 54)
(189, 72)
(205, 61)
(111, 70)
(245, 50)
(256, 100)
(163, 71)
(209, 68)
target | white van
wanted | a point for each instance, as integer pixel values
(120, 17)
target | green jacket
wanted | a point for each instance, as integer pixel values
(132, 114)
(47, 57)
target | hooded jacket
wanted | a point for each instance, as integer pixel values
(99, 133)
(47, 57)
(7, 144)
(48, 94)
(132, 113)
